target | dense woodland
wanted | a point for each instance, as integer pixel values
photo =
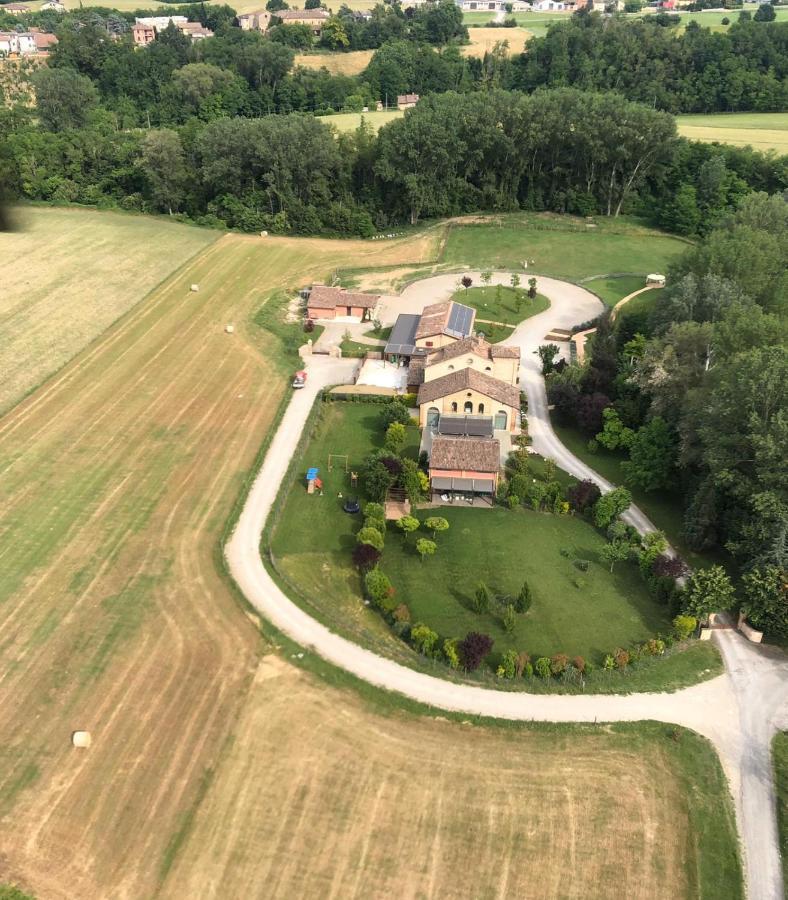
(696, 394)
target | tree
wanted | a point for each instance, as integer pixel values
(466, 281)
(473, 649)
(396, 411)
(610, 506)
(377, 480)
(524, 598)
(532, 288)
(395, 437)
(333, 34)
(275, 6)
(424, 638)
(764, 13)
(365, 556)
(312, 4)
(583, 495)
(515, 281)
(547, 353)
(408, 524)
(64, 98)
(614, 434)
(766, 599)
(414, 482)
(652, 456)
(708, 590)
(481, 598)
(378, 587)
(509, 619)
(436, 524)
(486, 278)
(425, 548)
(615, 551)
(374, 511)
(590, 410)
(164, 164)
(370, 536)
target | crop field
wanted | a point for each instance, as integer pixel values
(205, 777)
(70, 274)
(318, 796)
(484, 39)
(351, 121)
(762, 131)
(118, 475)
(337, 63)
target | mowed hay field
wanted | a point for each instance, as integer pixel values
(217, 769)
(337, 63)
(762, 131)
(68, 275)
(318, 796)
(117, 477)
(351, 121)
(484, 39)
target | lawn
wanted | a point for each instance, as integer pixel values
(763, 131)
(611, 290)
(563, 247)
(513, 307)
(351, 121)
(780, 763)
(75, 271)
(587, 613)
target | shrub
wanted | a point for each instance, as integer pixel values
(423, 638)
(365, 556)
(378, 586)
(523, 660)
(621, 657)
(558, 663)
(669, 567)
(378, 524)
(425, 548)
(370, 536)
(583, 495)
(581, 564)
(610, 506)
(579, 663)
(473, 649)
(684, 626)
(309, 326)
(402, 613)
(656, 647)
(481, 599)
(450, 652)
(508, 667)
(374, 511)
(542, 667)
(524, 599)
(609, 663)
(436, 524)
(509, 620)
(408, 524)
(395, 437)
(395, 412)
(528, 670)
(513, 501)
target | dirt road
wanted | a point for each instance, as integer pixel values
(738, 711)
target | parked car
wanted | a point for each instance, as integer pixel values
(299, 379)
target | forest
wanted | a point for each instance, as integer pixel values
(695, 394)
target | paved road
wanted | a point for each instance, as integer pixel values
(738, 711)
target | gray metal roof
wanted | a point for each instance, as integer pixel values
(460, 320)
(402, 339)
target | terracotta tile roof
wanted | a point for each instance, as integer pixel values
(470, 379)
(416, 370)
(446, 318)
(285, 14)
(465, 454)
(472, 345)
(323, 297)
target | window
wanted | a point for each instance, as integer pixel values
(500, 420)
(481, 408)
(488, 368)
(433, 416)
(468, 408)
(451, 368)
(454, 407)
(469, 361)
(427, 343)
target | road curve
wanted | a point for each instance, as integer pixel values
(715, 708)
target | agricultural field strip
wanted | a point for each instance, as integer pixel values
(710, 708)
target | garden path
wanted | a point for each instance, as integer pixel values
(738, 711)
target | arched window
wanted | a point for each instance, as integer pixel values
(433, 416)
(454, 407)
(500, 420)
(488, 368)
(451, 368)
(481, 408)
(468, 408)
(469, 361)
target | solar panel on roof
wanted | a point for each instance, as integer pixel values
(452, 426)
(479, 427)
(460, 319)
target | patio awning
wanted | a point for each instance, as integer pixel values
(485, 486)
(441, 484)
(462, 484)
(473, 485)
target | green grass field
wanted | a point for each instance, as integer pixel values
(587, 613)
(611, 290)
(780, 763)
(351, 121)
(513, 307)
(561, 246)
(762, 131)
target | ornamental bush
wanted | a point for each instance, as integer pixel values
(621, 657)
(370, 536)
(378, 586)
(508, 667)
(524, 599)
(684, 626)
(481, 599)
(451, 653)
(473, 649)
(424, 638)
(375, 511)
(558, 663)
(365, 556)
(542, 667)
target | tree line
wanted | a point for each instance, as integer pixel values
(695, 394)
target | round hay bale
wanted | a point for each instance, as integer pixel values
(195, 287)
(229, 328)
(81, 739)
(263, 234)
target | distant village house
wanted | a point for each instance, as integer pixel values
(256, 20)
(407, 101)
(312, 18)
(326, 302)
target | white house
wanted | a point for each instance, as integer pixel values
(13, 43)
(548, 6)
(55, 5)
(497, 6)
(159, 23)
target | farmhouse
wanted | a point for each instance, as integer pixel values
(257, 20)
(14, 43)
(313, 18)
(473, 352)
(326, 302)
(444, 323)
(471, 393)
(464, 465)
(54, 5)
(16, 9)
(498, 6)
(407, 101)
(142, 34)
